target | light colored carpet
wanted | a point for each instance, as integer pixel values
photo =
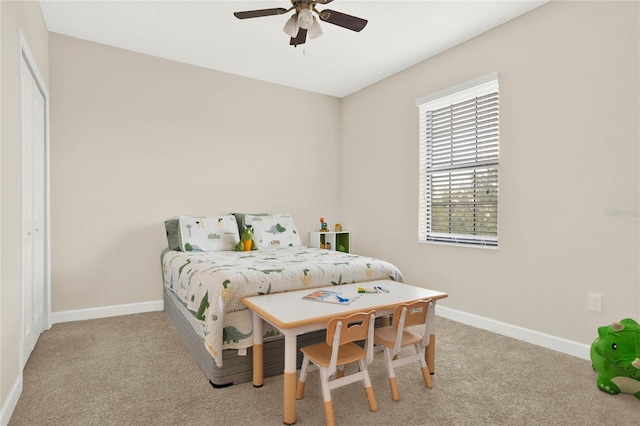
(134, 370)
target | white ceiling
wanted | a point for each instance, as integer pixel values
(205, 33)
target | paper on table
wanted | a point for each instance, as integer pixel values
(332, 296)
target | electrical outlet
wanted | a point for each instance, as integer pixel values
(595, 302)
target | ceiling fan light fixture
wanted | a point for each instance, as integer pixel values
(315, 31)
(305, 18)
(291, 27)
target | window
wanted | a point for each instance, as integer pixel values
(458, 200)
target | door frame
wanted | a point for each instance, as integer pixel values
(25, 52)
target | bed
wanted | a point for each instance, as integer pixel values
(205, 280)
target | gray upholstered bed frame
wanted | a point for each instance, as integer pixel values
(235, 368)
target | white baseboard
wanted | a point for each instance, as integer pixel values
(107, 311)
(548, 341)
(9, 404)
(559, 344)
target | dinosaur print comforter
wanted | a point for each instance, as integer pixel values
(212, 284)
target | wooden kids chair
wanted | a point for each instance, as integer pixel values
(394, 337)
(338, 350)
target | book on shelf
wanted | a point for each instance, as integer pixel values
(332, 296)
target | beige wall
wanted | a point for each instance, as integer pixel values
(569, 155)
(136, 139)
(28, 17)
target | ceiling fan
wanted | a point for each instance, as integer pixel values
(303, 22)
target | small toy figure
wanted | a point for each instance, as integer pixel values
(615, 356)
(246, 242)
(338, 227)
(323, 225)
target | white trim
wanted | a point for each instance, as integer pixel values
(107, 311)
(486, 81)
(25, 52)
(444, 243)
(11, 401)
(444, 163)
(548, 341)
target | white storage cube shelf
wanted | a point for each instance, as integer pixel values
(330, 240)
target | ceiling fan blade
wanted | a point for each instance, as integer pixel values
(301, 38)
(343, 20)
(260, 12)
(323, 1)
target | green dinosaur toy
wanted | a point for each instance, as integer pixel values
(246, 242)
(615, 356)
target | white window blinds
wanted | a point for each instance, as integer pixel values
(458, 199)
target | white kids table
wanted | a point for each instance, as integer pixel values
(292, 316)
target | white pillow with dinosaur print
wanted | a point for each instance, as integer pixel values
(210, 233)
(273, 230)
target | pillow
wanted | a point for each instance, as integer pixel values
(273, 230)
(240, 219)
(211, 233)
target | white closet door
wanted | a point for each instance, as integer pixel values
(34, 132)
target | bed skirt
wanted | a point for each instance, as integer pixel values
(236, 368)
